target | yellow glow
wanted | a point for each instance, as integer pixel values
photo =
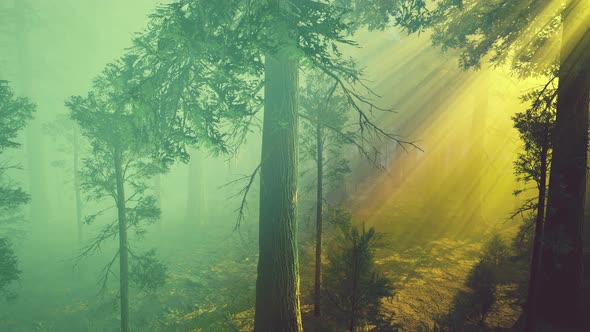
(462, 184)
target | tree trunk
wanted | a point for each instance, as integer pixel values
(123, 250)
(78, 197)
(158, 195)
(34, 144)
(560, 303)
(277, 284)
(320, 199)
(537, 245)
(195, 204)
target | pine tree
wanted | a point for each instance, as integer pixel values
(353, 287)
(15, 113)
(124, 157)
(324, 117)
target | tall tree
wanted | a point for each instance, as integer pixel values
(14, 114)
(124, 158)
(325, 117)
(222, 54)
(562, 264)
(540, 38)
(28, 17)
(535, 127)
(66, 136)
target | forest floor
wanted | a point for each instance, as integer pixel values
(211, 287)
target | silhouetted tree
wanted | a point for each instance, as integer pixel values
(353, 286)
(535, 127)
(14, 114)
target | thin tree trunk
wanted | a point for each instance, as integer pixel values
(531, 315)
(196, 208)
(123, 250)
(320, 199)
(40, 205)
(78, 197)
(277, 284)
(560, 302)
(158, 195)
(355, 283)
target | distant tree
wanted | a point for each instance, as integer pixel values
(535, 127)
(353, 286)
(15, 112)
(540, 38)
(66, 135)
(324, 117)
(124, 157)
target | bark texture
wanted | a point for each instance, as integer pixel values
(277, 285)
(561, 279)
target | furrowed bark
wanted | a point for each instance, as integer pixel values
(561, 279)
(277, 285)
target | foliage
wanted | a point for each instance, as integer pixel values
(535, 127)
(353, 286)
(8, 267)
(471, 305)
(15, 112)
(319, 104)
(206, 58)
(522, 33)
(147, 271)
(412, 15)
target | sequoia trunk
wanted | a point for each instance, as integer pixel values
(560, 301)
(277, 285)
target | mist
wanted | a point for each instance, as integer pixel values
(149, 205)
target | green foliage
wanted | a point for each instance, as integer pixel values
(147, 271)
(353, 286)
(14, 114)
(518, 32)
(320, 104)
(9, 272)
(206, 58)
(411, 15)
